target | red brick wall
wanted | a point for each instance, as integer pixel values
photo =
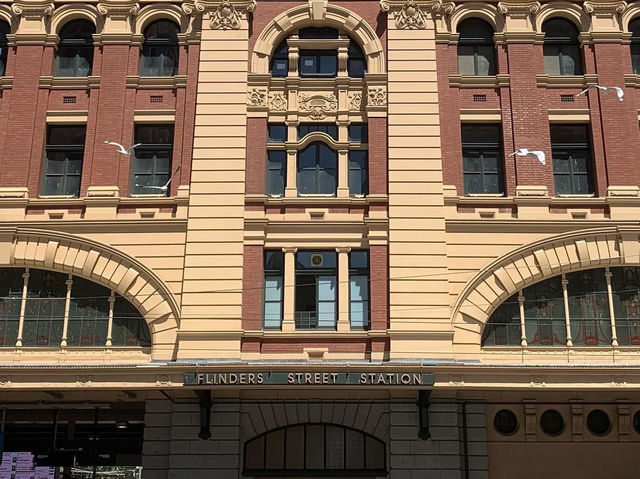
(252, 286)
(379, 281)
(378, 156)
(256, 156)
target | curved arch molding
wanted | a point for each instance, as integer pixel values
(27, 247)
(534, 262)
(331, 16)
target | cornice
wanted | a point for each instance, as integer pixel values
(155, 83)
(515, 8)
(591, 7)
(67, 83)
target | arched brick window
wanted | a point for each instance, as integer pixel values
(5, 29)
(74, 57)
(160, 49)
(562, 55)
(476, 49)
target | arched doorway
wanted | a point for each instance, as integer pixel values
(314, 450)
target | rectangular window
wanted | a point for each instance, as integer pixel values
(482, 159)
(152, 162)
(358, 133)
(63, 162)
(359, 289)
(635, 57)
(562, 59)
(44, 308)
(276, 133)
(476, 60)
(276, 172)
(358, 183)
(316, 295)
(318, 63)
(572, 169)
(329, 129)
(273, 284)
(317, 170)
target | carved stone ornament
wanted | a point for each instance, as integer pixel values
(118, 9)
(318, 105)
(32, 9)
(518, 8)
(227, 17)
(611, 7)
(376, 96)
(278, 102)
(413, 16)
(355, 101)
(257, 97)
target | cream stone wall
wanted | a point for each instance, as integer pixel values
(419, 302)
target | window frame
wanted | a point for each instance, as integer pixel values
(80, 45)
(320, 274)
(634, 46)
(483, 147)
(172, 46)
(276, 274)
(476, 44)
(5, 29)
(357, 273)
(318, 158)
(152, 147)
(63, 147)
(567, 148)
(558, 46)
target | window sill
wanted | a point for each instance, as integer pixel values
(69, 83)
(484, 195)
(58, 197)
(329, 333)
(577, 196)
(315, 200)
(6, 82)
(632, 80)
(479, 81)
(566, 81)
(137, 81)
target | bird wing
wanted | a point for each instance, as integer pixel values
(541, 157)
(133, 147)
(584, 91)
(161, 188)
(619, 92)
(114, 143)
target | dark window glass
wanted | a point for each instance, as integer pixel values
(356, 63)
(551, 422)
(505, 422)
(358, 176)
(634, 28)
(318, 63)
(88, 313)
(359, 289)
(476, 50)
(572, 168)
(63, 162)
(318, 32)
(273, 284)
(276, 172)
(329, 129)
(152, 160)
(160, 49)
(5, 29)
(74, 56)
(544, 313)
(315, 450)
(317, 170)
(625, 285)
(277, 132)
(589, 308)
(636, 422)
(503, 327)
(561, 48)
(129, 327)
(316, 292)
(11, 283)
(280, 60)
(482, 159)
(598, 422)
(44, 308)
(358, 133)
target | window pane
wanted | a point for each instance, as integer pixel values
(544, 313)
(466, 62)
(375, 454)
(273, 288)
(277, 132)
(625, 283)
(355, 450)
(88, 313)
(326, 288)
(44, 309)
(570, 63)
(129, 327)
(254, 454)
(589, 308)
(275, 450)
(11, 283)
(503, 327)
(551, 59)
(295, 447)
(486, 60)
(358, 133)
(276, 172)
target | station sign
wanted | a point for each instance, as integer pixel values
(305, 378)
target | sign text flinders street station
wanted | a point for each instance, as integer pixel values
(295, 378)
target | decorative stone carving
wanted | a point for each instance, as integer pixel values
(376, 96)
(32, 9)
(118, 10)
(355, 101)
(278, 102)
(519, 8)
(611, 7)
(227, 15)
(412, 16)
(257, 97)
(318, 105)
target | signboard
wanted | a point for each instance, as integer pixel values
(296, 378)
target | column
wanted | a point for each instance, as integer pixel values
(23, 304)
(567, 318)
(343, 289)
(289, 294)
(67, 306)
(523, 331)
(612, 314)
(112, 302)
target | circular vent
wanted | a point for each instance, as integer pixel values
(316, 260)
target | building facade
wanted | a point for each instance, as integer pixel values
(244, 239)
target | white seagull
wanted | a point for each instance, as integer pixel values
(605, 90)
(162, 188)
(526, 152)
(122, 149)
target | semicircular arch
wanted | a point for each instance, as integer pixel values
(632, 12)
(160, 11)
(569, 11)
(484, 11)
(299, 17)
(75, 11)
(7, 15)
(534, 262)
(102, 264)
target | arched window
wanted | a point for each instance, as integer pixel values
(60, 309)
(160, 49)
(5, 29)
(315, 450)
(317, 170)
(74, 57)
(476, 50)
(562, 55)
(634, 28)
(582, 320)
(318, 54)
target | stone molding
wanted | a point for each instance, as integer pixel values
(224, 15)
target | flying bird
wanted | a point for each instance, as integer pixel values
(526, 152)
(122, 149)
(162, 188)
(605, 90)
